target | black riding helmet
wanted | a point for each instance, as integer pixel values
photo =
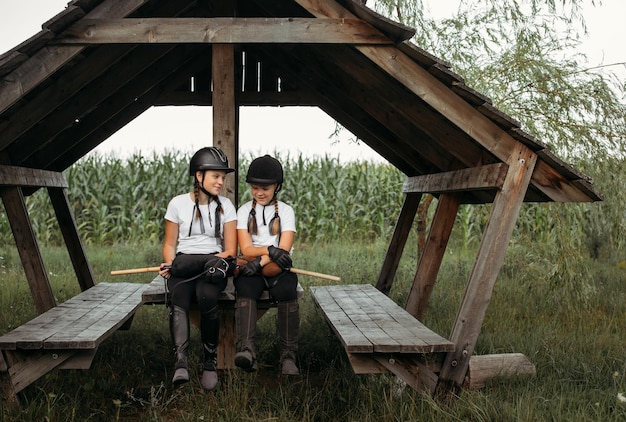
(209, 158)
(265, 170)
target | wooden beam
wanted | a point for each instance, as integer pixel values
(479, 289)
(75, 248)
(26, 243)
(221, 30)
(226, 113)
(490, 176)
(432, 255)
(398, 240)
(22, 176)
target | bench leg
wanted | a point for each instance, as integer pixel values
(7, 390)
(226, 349)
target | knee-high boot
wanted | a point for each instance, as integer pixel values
(288, 327)
(245, 320)
(179, 331)
(209, 331)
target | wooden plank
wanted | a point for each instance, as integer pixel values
(226, 112)
(74, 244)
(482, 279)
(350, 337)
(224, 30)
(398, 241)
(367, 321)
(490, 176)
(67, 85)
(63, 120)
(27, 246)
(33, 366)
(432, 255)
(155, 293)
(23, 176)
(81, 322)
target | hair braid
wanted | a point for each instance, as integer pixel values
(275, 226)
(218, 210)
(252, 226)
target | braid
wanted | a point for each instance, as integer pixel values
(275, 226)
(196, 197)
(252, 227)
(219, 210)
(196, 209)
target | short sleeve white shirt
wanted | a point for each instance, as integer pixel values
(264, 215)
(180, 210)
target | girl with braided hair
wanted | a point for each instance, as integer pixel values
(265, 231)
(200, 241)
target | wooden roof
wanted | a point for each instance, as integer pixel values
(98, 64)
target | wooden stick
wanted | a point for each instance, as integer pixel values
(157, 269)
(137, 271)
(314, 274)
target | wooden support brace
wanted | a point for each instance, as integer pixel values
(432, 256)
(479, 289)
(398, 241)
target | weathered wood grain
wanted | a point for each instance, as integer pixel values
(367, 321)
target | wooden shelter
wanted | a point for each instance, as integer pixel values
(98, 64)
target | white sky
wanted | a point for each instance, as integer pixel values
(267, 129)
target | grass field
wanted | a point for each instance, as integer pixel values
(577, 346)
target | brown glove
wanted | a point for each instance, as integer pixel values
(270, 270)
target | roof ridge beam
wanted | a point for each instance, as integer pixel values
(223, 30)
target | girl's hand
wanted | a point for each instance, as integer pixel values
(164, 270)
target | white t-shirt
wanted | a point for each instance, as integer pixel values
(180, 210)
(264, 215)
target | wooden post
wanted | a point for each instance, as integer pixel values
(398, 240)
(432, 255)
(27, 246)
(67, 224)
(226, 112)
(479, 289)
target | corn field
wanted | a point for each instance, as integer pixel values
(119, 201)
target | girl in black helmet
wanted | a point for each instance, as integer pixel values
(200, 239)
(265, 231)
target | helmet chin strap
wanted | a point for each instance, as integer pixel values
(207, 193)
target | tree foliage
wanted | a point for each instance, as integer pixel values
(523, 55)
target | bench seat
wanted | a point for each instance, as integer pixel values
(155, 293)
(380, 336)
(68, 335)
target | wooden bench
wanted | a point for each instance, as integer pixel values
(156, 294)
(67, 335)
(379, 336)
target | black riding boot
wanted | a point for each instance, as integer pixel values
(245, 320)
(179, 331)
(209, 331)
(288, 326)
